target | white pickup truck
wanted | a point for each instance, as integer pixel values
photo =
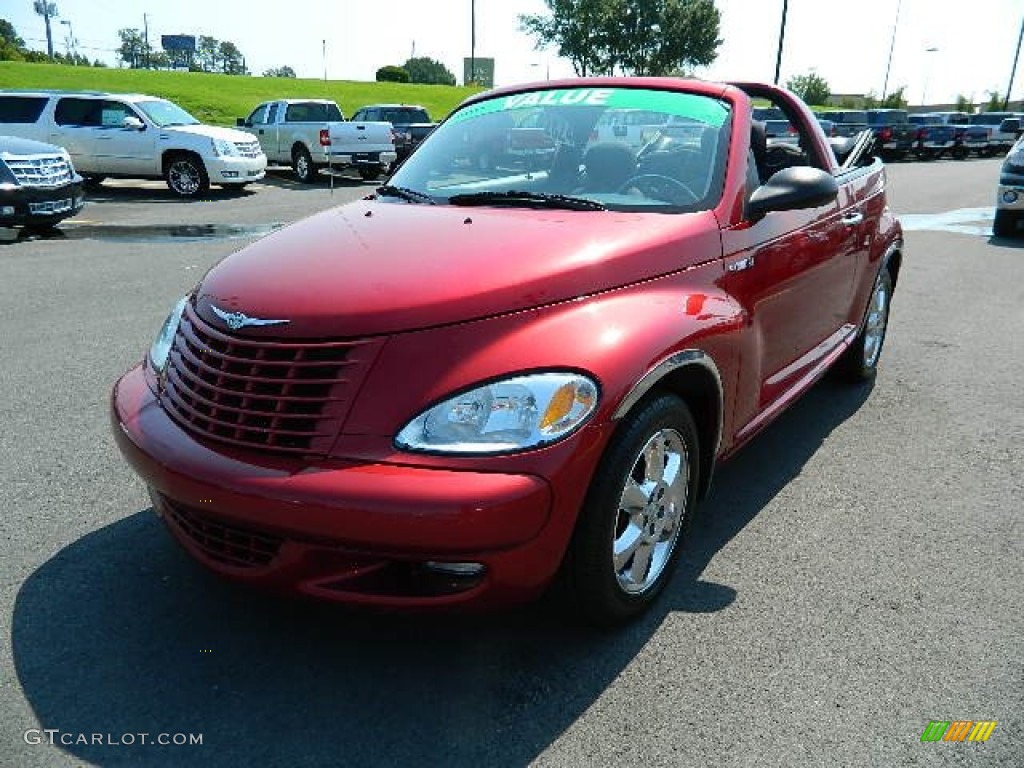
(123, 135)
(311, 134)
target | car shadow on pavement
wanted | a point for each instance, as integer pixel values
(121, 634)
(155, 192)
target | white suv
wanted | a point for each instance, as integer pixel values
(134, 136)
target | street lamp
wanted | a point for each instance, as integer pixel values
(924, 90)
(69, 41)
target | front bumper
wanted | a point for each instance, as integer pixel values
(236, 170)
(40, 205)
(348, 531)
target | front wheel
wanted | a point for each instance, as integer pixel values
(369, 174)
(639, 505)
(186, 176)
(860, 361)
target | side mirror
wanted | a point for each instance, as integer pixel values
(133, 123)
(792, 189)
(241, 122)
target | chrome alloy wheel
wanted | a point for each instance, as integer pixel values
(185, 178)
(651, 511)
(878, 316)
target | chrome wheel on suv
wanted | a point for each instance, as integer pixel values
(186, 176)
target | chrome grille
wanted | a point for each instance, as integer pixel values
(279, 395)
(40, 170)
(249, 149)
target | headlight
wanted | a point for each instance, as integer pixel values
(225, 148)
(513, 414)
(161, 349)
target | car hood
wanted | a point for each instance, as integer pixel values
(376, 267)
(213, 131)
(11, 146)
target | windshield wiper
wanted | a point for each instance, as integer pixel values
(411, 195)
(528, 199)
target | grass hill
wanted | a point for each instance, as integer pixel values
(219, 99)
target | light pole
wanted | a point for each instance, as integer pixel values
(924, 90)
(69, 41)
(782, 36)
(892, 44)
(472, 41)
(1013, 69)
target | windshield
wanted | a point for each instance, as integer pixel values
(617, 148)
(164, 113)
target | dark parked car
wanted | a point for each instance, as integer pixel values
(410, 123)
(475, 385)
(894, 134)
(1010, 194)
(38, 184)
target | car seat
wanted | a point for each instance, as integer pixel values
(608, 166)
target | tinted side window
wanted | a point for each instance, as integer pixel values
(21, 109)
(73, 111)
(257, 116)
(272, 113)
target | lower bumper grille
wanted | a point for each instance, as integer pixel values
(223, 542)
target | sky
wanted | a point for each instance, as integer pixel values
(847, 42)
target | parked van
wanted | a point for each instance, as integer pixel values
(122, 135)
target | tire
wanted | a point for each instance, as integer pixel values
(959, 153)
(860, 361)
(1004, 224)
(302, 165)
(185, 175)
(605, 588)
(370, 174)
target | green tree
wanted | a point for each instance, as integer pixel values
(285, 71)
(426, 70)
(896, 99)
(12, 47)
(635, 37)
(134, 50)
(812, 88)
(994, 103)
(574, 27)
(48, 11)
(964, 104)
(231, 59)
(207, 54)
(392, 74)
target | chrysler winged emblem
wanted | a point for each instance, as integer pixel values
(236, 320)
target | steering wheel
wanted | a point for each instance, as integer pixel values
(659, 187)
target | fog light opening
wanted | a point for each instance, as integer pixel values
(1010, 196)
(467, 570)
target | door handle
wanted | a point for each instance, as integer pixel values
(853, 219)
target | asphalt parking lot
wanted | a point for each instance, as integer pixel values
(857, 571)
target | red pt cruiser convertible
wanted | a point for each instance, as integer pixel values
(497, 374)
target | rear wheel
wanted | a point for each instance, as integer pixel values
(860, 361)
(302, 164)
(639, 505)
(186, 175)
